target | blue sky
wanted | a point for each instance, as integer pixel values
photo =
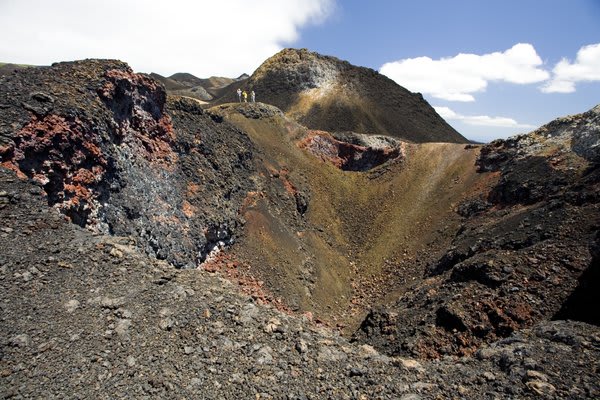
(491, 69)
(387, 31)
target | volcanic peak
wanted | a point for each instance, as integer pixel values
(326, 93)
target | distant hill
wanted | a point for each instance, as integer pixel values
(323, 92)
(7, 68)
(169, 83)
(218, 85)
(186, 84)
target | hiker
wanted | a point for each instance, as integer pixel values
(245, 95)
(239, 93)
(253, 96)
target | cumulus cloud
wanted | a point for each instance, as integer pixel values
(481, 120)
(585, 68)
(225, 37)
(458, 77)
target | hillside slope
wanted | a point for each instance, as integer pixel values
(114, 155)
(527, 250)
(323, 92)
(323, 236)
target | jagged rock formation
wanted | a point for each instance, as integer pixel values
(112, 154)
(525, 250)
(325, 93)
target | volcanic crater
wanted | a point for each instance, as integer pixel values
(387, 228)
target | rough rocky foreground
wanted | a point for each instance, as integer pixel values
(87, 315)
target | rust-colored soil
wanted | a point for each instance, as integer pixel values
(364, 235)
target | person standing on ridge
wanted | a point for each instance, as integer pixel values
(239, 93)
(245, 95)
(253, 96)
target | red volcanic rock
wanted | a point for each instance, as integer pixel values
(63, 155)
(138, 103)
(114, 155)
(344, 155)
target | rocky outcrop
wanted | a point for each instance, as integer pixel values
(349, 156)
(524, 252)
(115, 156)
(250, 110)
(325, 93)
(579, 134)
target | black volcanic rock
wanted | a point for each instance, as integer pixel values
(88, 316)
(323, 92)
(114, 155)
(525, 252)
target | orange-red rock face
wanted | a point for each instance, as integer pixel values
(344, 155)
(112, 155)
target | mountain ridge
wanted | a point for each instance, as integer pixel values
(203, 89)
(323, 92)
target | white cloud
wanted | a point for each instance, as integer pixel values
(458, 77)
(566, 74)
(481, 120)
(225, 37)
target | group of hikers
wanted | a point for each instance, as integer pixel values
(244, 95)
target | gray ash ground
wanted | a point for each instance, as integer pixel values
(89, 316)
